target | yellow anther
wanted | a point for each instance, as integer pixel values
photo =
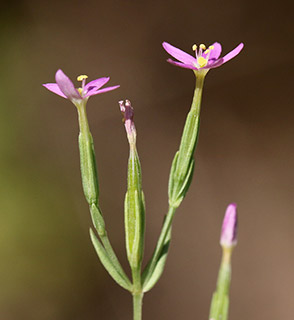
(202, 62)
(194, 47)
(82, 77)
(206, 51)
(202, 46)
(211, 47)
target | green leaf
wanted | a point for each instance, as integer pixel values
(108, 264)
(157, 272)
(97, 220)
(172, 178)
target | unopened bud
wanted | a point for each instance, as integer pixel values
(128, 115)
(229, 229)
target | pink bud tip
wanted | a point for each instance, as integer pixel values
(128, 114)
(229, 228)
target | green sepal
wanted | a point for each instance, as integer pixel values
(88, 167)
(108, 264)
(97, 220)
(157, 272)
(134, 226)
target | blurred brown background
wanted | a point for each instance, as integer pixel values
(48, 268)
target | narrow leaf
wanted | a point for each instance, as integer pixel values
(188, 179)
(97, 219)
(108, 265)
(159, 265)
(172, 178)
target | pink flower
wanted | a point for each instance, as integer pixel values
(229, 228)
(66, 89)
(204, 58)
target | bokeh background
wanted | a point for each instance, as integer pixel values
(48, 268)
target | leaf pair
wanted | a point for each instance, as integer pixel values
(105, 251)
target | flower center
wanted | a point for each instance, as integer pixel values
(202, 57)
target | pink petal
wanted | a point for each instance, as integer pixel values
(215, 52)
(229, 227)
(233, 53)
(95, 84)
(53, 87)
(182, 65)
(66, 86)
(92, 92)
(214, 64)
(179, 54)
(227, 57)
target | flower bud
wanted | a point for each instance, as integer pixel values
(128, 114)
(134, 200)
(229, 229)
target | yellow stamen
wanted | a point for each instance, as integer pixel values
(211, 47)
(202, 62)
(194, 47)
(82, 77)
(202, 46)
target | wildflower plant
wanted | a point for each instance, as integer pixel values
(181, 174)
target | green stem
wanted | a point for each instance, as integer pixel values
(191, 129)
(137, 293)
(196, 103)
(83, 120)
(137, 305)
(219, 308)
(224, 276)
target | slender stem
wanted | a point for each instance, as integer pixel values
(224, 276)
(83, 120)
(196, 103)
(137, 293)
(137, 305)
(219, 307)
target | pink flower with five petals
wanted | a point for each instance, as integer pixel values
(204, 59)
(66, 89)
